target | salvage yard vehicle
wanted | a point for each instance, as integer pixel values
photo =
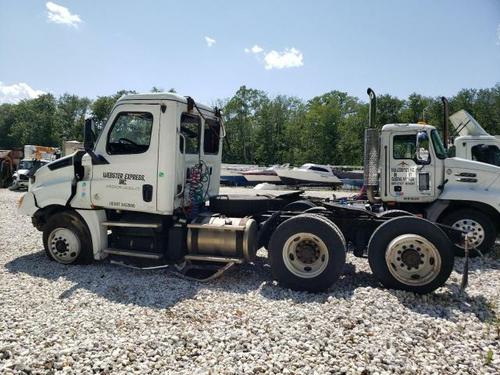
(407, 167)
(472, 141)
(9, 161)
(34, 158)
(148, 189)
(20, 178)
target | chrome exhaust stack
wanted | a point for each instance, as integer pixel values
(372, 149)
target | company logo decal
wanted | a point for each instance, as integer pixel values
(123, 177)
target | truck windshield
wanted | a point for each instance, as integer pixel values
(438, 145)
(25, 164)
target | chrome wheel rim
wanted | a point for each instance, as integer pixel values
(305, 255)
(413, 260)
(474, 228)
(64, 245)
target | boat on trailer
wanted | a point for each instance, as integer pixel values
(309, 174)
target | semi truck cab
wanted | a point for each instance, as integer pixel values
(146, 151)
(409, 168)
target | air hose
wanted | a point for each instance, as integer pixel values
(198, 175)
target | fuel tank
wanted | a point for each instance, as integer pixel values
(216, 235)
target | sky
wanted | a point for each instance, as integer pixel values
(208, 49)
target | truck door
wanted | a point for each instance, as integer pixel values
(410, 179)
(127, 177)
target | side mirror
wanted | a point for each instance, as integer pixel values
(89, 140)
(422, 152)
(88, 135)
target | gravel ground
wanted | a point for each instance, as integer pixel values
(108, 319)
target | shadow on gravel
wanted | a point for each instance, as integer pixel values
(161, 289)
(445, 304)
(156, 289)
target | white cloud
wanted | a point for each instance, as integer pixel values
(289, 58)
(210, 41)
(16, 92)
(255, 49)
(59, 14)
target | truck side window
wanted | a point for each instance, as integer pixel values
(130, 133)
(404, 146)
(190, 129)
(211, 137)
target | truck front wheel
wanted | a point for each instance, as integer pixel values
(67, 240)
(411, 254)
(307, 252)
(482, 228)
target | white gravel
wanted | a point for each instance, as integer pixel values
(107, 319)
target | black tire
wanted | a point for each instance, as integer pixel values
(299, 206)
(394, 213)
(488, 232)
(71, 221)
(438, 243)
(330, 240)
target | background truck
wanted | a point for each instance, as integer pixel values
(148, 190)
(9, 162)
(69, 147)
(34, 158)
(472, 142)
(407, 167)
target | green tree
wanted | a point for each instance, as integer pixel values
(70, 116)
(240, 119)
(35, 122)
(7, 120)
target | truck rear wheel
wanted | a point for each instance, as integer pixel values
(482, 228)
(307, 252)
(411, 254)
(67, 240)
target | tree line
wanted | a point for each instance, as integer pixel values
(264, 130)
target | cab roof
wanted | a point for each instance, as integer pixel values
(162, 96)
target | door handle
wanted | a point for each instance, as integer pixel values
(147, 192)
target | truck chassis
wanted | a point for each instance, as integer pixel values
(307, 240)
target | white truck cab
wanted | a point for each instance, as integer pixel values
(413, 172)
(136, 156)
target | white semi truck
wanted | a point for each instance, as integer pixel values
(407, 167)
(148, 189)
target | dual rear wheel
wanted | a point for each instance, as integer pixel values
(308, 252)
